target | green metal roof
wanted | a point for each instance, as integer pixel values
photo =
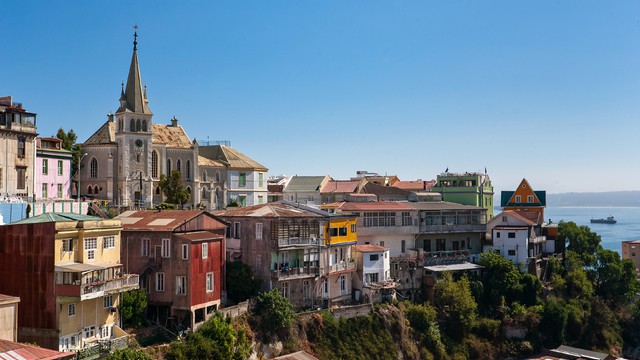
(57, 217)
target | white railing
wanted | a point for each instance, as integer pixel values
(97, 289)
(343, 265)
(292, 241)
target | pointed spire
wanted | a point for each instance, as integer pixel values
(133, 93)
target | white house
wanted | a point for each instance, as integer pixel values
(373, 274)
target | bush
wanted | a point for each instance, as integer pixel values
(133, 306)
(275, 310)
(241, 282)
(129, 354)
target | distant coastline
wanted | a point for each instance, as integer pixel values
(595, 199)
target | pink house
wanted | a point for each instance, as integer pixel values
(53, 174)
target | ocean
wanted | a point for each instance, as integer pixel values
(627, 228)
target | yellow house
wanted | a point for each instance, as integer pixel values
(340, 234)
(78, 257)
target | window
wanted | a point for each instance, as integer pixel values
(242, 200)
(260, 199)
(188, 169)
(512, 253)
(59, 191)
(530, 198)
(144, 125)
(93, 168)
(217, 176)
(45, 187)
(498, 235)
(285, 289)
(260, 179)
(381, 243)
(203, 177)
(209, 283)
(205, 250)
(343, 283)
(185, 251)
(90, 331)
(406, 218)
(504, 219)
(73, 341)
(325, 288)
(403, 246)
(132, 125)
(108, 242)
(165, 248)
(107, 301)
(306, 290)
(21, 147)
(372, 219)
(45, 167)
(236, 230)
(168, 167)
(71, 309)
(259, 231)
(179, 165)
(90, 245)
(67, 245)
(145, 247)
(342, 231)
(511, 235)
(154, 164)
(158, 190)
(333, 231)
(242, 181)
(374, 257)
(353, 228)
(159, 281)
(22, 176)
(518, 198)
(105, 331)
(371, 278)
(181, 285)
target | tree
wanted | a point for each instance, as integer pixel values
(129, 354)
(275, 310)
(133, 306)
(215, 339)
(553, 323)
(241, 282)
(459, 307)
(581, 240)
(172, 188)
(501, 279)
(69, 143)
(615, 279)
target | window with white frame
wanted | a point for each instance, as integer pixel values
(185, 251)
(236, 230)
(45, 167)
(406, 218)
(67, 245)
(60, 167)
(59, 194)
(343, 284)
(89, 331)
(181, 285)
(518, 199)
(90, 246)
(209, 280)
(258, 231)
(325, 288)
(306, 290)
(159, 281)
(71, 309)
(530, 199)
(165, 248)
(205, 250)
(108, 242)
(284, 287)
(105, 332)
(107, 301)
(145, 247)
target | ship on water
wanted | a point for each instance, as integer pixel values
(608, 220)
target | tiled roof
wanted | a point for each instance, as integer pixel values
(57, 217)
(305, 183)
(410, 185)
(375, 206)
(441, 205)
(171, 136)
(230, 157)
(165, 220)
(273, 210)
(200, 236)
(370, 248)
(530, 218)
(203, 161)
(340, 186)
(106, 134)
(380, 190)
(10, 350)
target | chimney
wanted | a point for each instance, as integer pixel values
(174, 121)
(110, 117)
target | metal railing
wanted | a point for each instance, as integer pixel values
(452, 228)
(445, 257)
(128, 282)
(293, 241)
(288, 273)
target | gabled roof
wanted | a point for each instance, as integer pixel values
(18, 351)
(203, 161)
(381, 190)
(106, 134)
(508, 198)
(370, 248)
(57, 217)
(270, 210)
(230, 157)
(340, 186)
(519, 216)
(162, 134)
(165, 220)
(411, 185)
(305, 183)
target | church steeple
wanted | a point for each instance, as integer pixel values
(134, 95)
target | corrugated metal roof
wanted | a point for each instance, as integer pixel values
(375, 206)
(274, 210)
(10, 350)
(380, 190)
(340, 186)
(200, 236)
(165, 220)
(230, 157)
(370, 248)
(57, 217)
(305, 183)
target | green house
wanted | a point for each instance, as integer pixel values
(467, 188)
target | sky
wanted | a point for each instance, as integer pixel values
(543, 90)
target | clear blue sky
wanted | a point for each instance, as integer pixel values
(545, 90)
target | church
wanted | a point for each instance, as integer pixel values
(123, 160)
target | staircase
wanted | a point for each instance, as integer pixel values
(98, 211)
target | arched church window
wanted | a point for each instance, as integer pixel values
(179, 166)
(93, 168)
(188, 169)
(158, 190)
(189, 191)
(138, 126)
(204, 192)
(204, 175)
(154, 164)
(89, 190)
(95, 190)
(168, 167)
(132, 125)
(144, 125)
(217, 176)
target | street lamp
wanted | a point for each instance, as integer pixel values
(79, 177)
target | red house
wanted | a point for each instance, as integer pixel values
(180, 256)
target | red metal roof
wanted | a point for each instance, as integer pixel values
(375, 205)
(200, 236)
(165, 220)
(340, 186)
(370, 248)
(13, 350)
(530, 218)
(268, 210)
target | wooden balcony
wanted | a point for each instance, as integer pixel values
(298, 241)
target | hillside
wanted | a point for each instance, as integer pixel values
(609, 198)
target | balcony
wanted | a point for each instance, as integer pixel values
(437, 229)
(297, 241)
(293, 273)
(445, 257)
(99, 288)
(343, 266)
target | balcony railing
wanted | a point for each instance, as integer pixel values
(452, 228)
(99, 288)
(445, 257)
(343, 265)
(297, 241)
(290, 273)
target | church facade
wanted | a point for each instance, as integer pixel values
(123, 160)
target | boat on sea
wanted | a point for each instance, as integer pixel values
(608, 220)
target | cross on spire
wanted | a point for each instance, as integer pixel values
(135, 37)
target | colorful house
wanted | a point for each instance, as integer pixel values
(469, 188)
(525, 200)
(71, 280)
